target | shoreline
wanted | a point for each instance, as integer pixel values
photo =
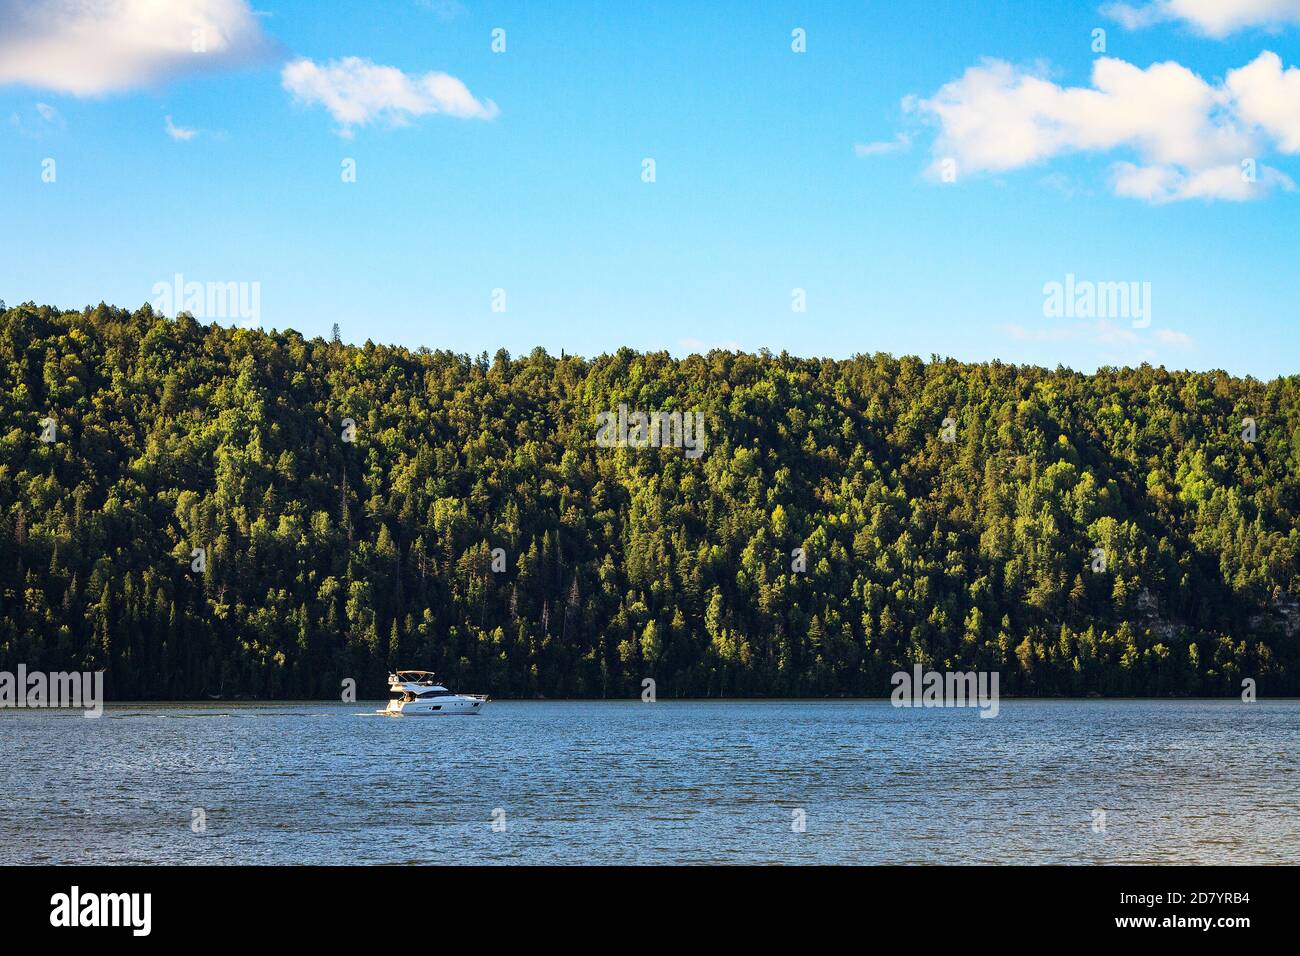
(271, 702)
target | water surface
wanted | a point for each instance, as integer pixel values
(671, 782)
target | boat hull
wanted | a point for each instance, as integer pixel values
(436, 707)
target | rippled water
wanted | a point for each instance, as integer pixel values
(627, 782)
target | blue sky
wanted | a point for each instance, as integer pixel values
(774, 171)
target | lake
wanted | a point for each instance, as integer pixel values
(548, 782)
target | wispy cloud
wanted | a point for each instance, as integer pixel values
(1194, 139)
(358, 92)
(445, 10)
(92, 47)
(1171, 337)
(182, 133)
(1139, 344)
(42, 119)
(899, 143)
(1162, 184)
(1215, 18)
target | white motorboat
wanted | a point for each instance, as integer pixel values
(421, 694)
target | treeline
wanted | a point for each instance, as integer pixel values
(1111, 533)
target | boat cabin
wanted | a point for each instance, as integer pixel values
(416, 685)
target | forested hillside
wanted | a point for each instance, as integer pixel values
(127, 441)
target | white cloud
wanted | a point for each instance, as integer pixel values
(90, 47)
(1215, 18)
(899, 143)
(1191, 136)
(181, 133)
(357, 92)
(1162, 184)
(1269, 97)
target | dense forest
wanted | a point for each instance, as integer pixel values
(207, 511)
